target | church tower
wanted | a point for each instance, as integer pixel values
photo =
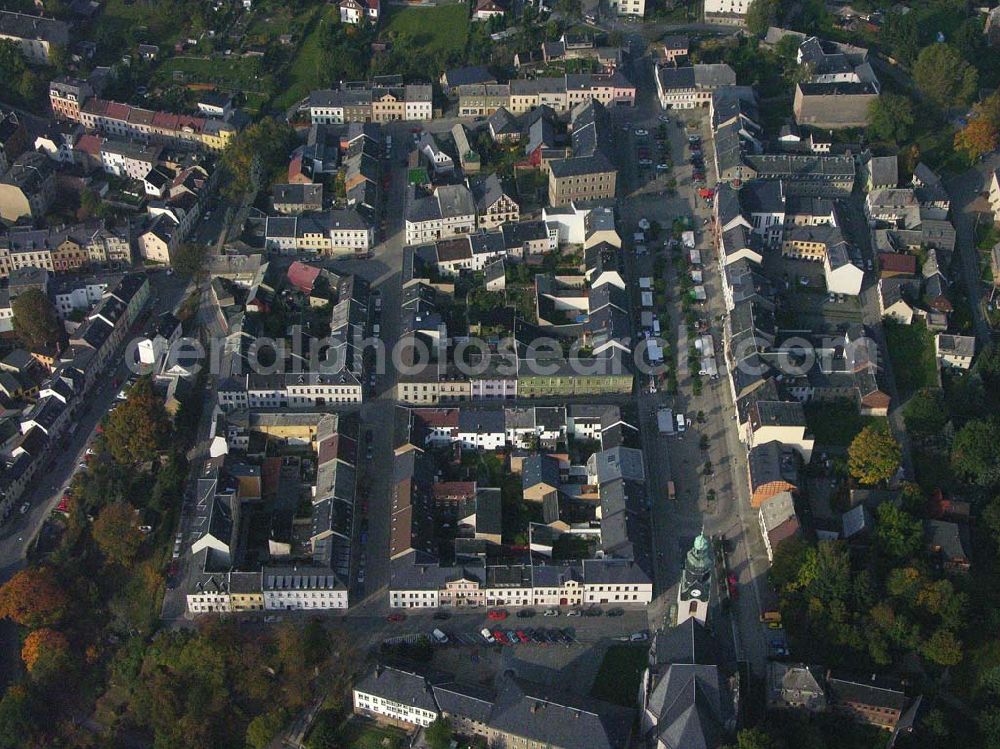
(696, 581)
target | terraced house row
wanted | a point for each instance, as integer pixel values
(384, 99)
(74, 100)
(561, 93)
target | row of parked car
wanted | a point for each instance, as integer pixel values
(528, 636)
(697, 158)
(498, 615)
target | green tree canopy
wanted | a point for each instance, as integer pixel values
(189, 260)
(891, 118)
(901, 32)
(439, 734)
(35, 321)
(761, 14)
(873, 455)
(753, 738)
(259, 151)
(975, 452)
(138, 429)
(264, 728)
(899, 533)
(925, 413)
(943, 77)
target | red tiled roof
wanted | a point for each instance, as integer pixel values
(784, 531)
(270, 474)
(295, 168)
(118, 111)
(454, 490)
(302, 276)
(437, 418)
(89, 144)
(897, 262)
(165, 120)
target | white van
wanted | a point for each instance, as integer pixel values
(439, 637)
(681, 423)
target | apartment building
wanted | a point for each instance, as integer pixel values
(561, 94)
(334, 231)
(414, 584)
(589, 174)
(732, 12)
(515, 714)
(74, 100)
(448, 211)
(28, 187)
(691, 86)
(35, 36)
(377, 101)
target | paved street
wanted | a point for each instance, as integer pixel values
(858, 230)
(967, 206)
(679, 459)
(19, 532)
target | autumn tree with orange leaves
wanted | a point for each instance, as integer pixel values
(34, 598)
(982, 133)
(45, 644)
(116, 531)
(978, 138)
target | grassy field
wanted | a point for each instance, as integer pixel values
(835, 423)
(359, 734)
(304, 73)
(911, 348)
(158, 18)
(621, 672)
(444, 28)
(230, 73)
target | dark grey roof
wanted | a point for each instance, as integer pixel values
(883, 170)
(875, 691)
(687, 643)
(559, 719)
(469, 701)
(539, 469)
(406, 687)
(690, 707)
(484, 421)
(487, 191)
(949, 537)
(502, 122)
(762, 196)
(617, 463)
(468, 75)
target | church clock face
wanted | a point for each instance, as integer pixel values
(695, 592)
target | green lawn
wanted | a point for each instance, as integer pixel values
(359, 734)
(911, 348)
(232, 73)
(835, 423)
(987, 235)
(620, 675)
(304, 73)
(158, 19)
(444, 28)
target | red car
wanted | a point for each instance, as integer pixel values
(396, 618)
(496, 615)
(499, 637)
(734, 592)
(523, 637)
